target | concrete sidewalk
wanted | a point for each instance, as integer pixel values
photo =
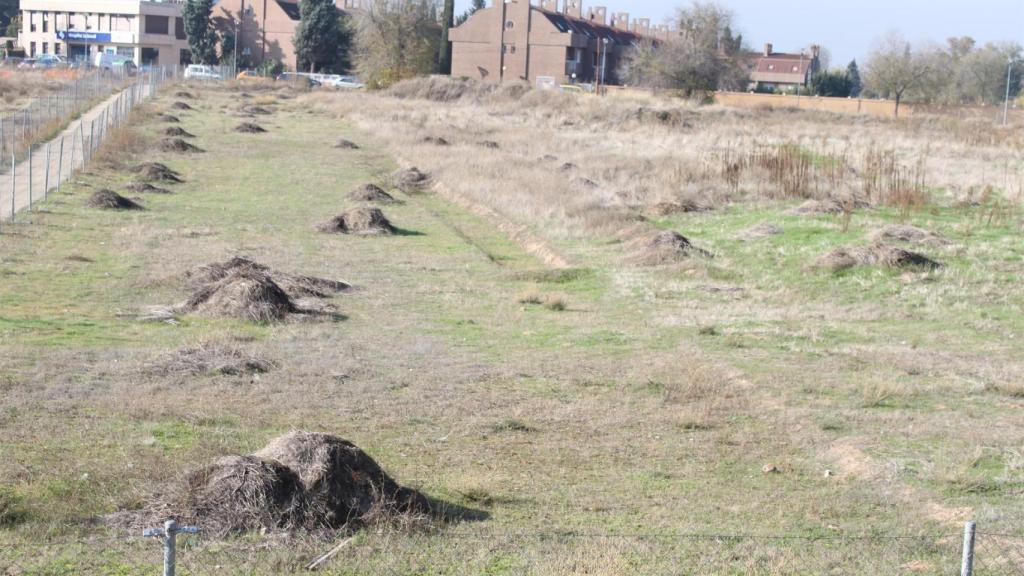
(15, 193)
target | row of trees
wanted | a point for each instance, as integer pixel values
(706, 55)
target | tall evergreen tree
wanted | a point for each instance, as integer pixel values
(853, 74)
(202, 40)
(473, 7)
(444, 55)
(316, 37)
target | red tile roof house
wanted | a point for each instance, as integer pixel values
(513, 40)
(780, 71)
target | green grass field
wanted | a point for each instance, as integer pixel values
(596, 439)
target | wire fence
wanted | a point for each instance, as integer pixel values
(463, 550)
(46, 115)
(44, 165)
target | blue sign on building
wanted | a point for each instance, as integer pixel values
(82, 36)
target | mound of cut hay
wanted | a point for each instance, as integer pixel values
(301, 480)
(548, 158)
(346, 145)
(568, 166)
(906, 233)
(175, 131)
(490, 144)
(410, 179)
(213, 358)
(181, 106)
(371, 193)
(669, 208)
(167, 118)
(243, 293)
(585, 182)
(156, 172)
(294, 286)
(251, 109)
(811, 207)
(759, 231)
(110, 200)
(844, 258)
(178, 145)
(183, 94)
(250, 128)
(238, 493)
(362, 220)
(342, 483)
(435, 140)
(665, 247)
(145, 188)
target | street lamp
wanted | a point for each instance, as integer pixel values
(1006, 102)
(234, 55)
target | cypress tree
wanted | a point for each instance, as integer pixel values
(444, 56)
(316, 37)
(202, 40)
(853, 74)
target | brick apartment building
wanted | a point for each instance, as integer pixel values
(555, 42)
(781, 71)
(148, 32)
(265, 28)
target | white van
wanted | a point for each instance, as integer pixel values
(202, 72)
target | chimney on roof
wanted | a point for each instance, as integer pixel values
(598, 15)
(574, 8)
(767, 49)
(621, 20)
(815, 51)
(642, 26)
(550, 5)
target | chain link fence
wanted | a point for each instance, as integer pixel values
(465, 550)
(45, 165)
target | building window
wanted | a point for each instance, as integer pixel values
(157, 25)
(71, 20)
(179, 28)
(31, 23)
(31, 49)
(56, 48)
(87, 26)
(46, 27)
(508, 48)
(150, 56)
(509, 25)
(46, 47)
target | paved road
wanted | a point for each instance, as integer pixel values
(75, 138)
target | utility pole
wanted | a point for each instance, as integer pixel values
(1006, 102)
(234, 56)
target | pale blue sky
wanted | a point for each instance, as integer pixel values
(849, 27)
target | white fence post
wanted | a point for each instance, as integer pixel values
(967, 562)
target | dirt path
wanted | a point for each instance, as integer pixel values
(36, 176)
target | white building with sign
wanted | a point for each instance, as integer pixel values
(150, 33)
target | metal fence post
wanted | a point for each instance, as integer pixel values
(60, 163)
(30, 176)
(169, 535)
(967, 562)
(46, 176)
(14, 181)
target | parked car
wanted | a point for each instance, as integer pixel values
(201, 72)
(114, 63)
(338, 81)
(50, 61)
(250, 75)
(299, 79)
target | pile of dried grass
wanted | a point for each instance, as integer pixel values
(844, 258)
(109, 200)
(212, 358)
(665, 247)
(145, 188)
(669, 208)
(256, 110)
(759, 231)
(243, 293)
(178, 145)
(435, 140)
(363, 220)
(167, 118)
(293, 285)
(250, 128)
(371, 193)
(181, 106)
(410, 180)
(906, 233)
(156, 172)
(346, 145)
(301, 480)
(176, 131)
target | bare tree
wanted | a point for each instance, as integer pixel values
(701, 56)
(395, 40)
(894, 69)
